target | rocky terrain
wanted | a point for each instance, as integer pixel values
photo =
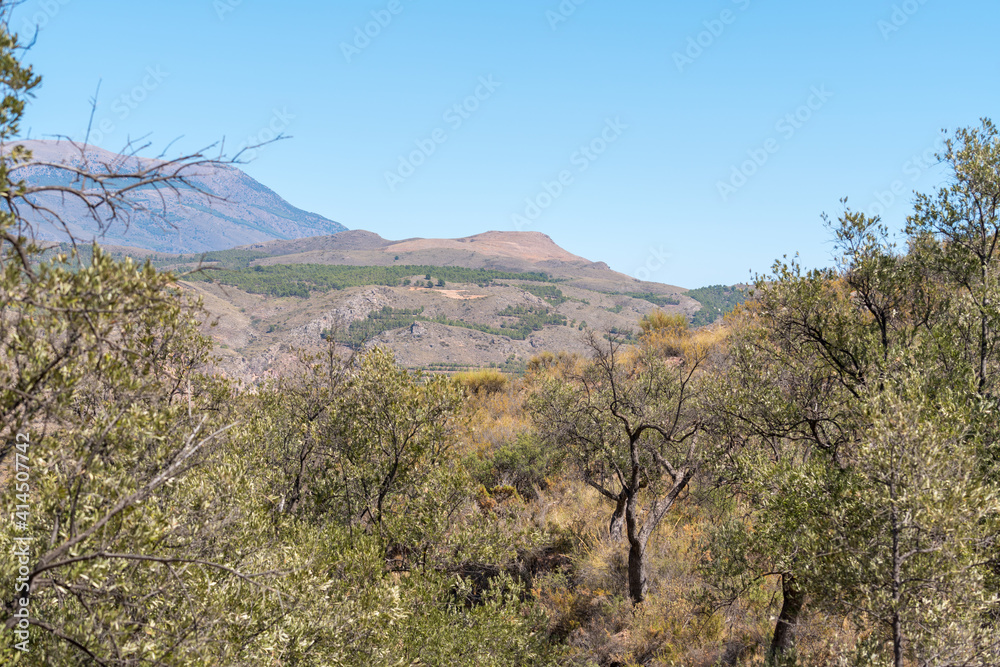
(499, 316)
(258, 334)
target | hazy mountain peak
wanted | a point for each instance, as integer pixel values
(240, 211)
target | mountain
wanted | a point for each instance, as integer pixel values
(242, 210)
(497, 298)
(501, 251)
(282, 279)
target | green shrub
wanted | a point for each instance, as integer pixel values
(526, 464)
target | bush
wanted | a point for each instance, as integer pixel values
(483, 382)
(526, 464)
(665, 332)
(661, 321)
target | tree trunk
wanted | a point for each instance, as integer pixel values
(618, 518)
(897, 577)
(897, 641)
(637, 572)
(783, 641)
(637, 584)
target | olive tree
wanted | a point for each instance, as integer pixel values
(125, 552)
(820, 364)
(629, 421)
(959, 227)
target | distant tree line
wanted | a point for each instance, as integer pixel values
(301, 279)
(655, 299)
(716, 301)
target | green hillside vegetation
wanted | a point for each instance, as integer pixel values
(282, 280)
(716, 301)
(550, 293)
(526, 321)
(655, 299)
(361, 331)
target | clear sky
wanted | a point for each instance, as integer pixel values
(683, 142)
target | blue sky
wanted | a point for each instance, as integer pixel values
(686, 143)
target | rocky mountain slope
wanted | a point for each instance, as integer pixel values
(277, 279)
(241, 211)
(497, 298)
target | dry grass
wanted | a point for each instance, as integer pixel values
(588, 603)
(589, 609)
(496, 416)
(483, 382)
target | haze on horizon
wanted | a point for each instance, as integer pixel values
(685, 144)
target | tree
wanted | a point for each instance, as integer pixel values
(904, 550)
(388, 429)
(296, 411)
(888, 537)
(826, 397)
(959, 232)
(107, 416)
(629, 423)
(376, 554)
(157, 532)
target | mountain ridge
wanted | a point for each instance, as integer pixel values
(434, 303)
(237, 210)
(284, 279)
(494, 250)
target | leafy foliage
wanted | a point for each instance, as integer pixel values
(527, 464)
(858, 398)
